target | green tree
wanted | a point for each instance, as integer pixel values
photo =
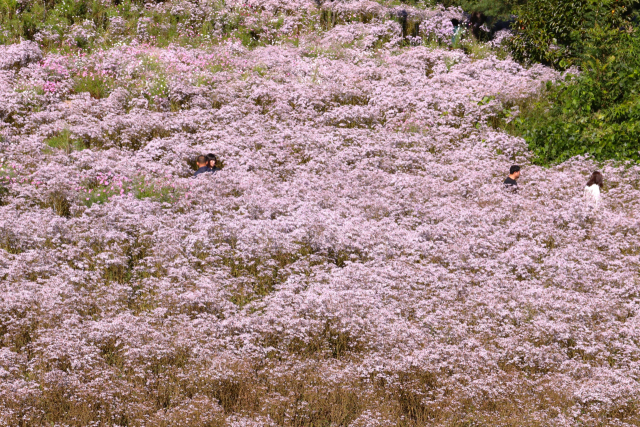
(553, 31)
(596, 112)
(495, 9)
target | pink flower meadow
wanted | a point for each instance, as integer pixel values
(355, 262)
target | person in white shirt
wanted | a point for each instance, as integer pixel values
(592, 190)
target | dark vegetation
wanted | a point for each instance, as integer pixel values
(496, 9)
(597, 111)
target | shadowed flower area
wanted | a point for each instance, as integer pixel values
(355, 262)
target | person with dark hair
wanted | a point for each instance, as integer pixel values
(593, 187)
(203, 165)
(457, 32)
(511, 182)
(212, 162)
(477, 20)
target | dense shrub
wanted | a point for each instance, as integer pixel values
(596, 112)
(493, 8)
(553, 31)
(595, 109)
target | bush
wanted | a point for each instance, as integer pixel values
(492, 8)
(597, 112)
(552, 31)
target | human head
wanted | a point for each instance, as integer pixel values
(514, 171)
(212, 159)
(202, 161)
(478, 18)
(596, 178)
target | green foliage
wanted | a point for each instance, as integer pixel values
(97, 194)
(64, 141)
(76, 11)
(413, 3)
(159, 191)
(23, 19)
(479, 50)
(19, 19)
(141, 187)
(553, 31)
(157, 85)
(597, 112)
(7, 173)
(492, 8)
(56, 22)
(97, 85)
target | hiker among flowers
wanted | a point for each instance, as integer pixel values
(458, 31)
(203, 165)
(212, 162)
(511, 182)
(593, 188)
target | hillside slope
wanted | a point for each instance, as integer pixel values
(356, 262)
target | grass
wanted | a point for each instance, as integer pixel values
(65, 141)
(4, 194)
(159, 191)
(59, 202)
(38, 89)
(300, 396)
(207, 77)
(158, 87)
(525, 108)
(140, 187)
(98, 86)
(23, 20)
(6, 176)
(481, 50)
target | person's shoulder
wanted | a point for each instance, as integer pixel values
(509, 181)
(201, 171)
(593, 189)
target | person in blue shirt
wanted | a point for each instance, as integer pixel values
(457, 32)
(511, 182)
(203, 165)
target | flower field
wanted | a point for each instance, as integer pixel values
(355, 262)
